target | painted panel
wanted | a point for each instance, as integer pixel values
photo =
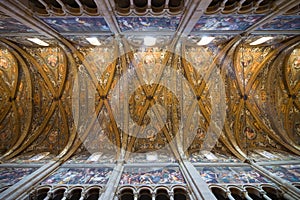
(10, 176)
(79, 176)
(105, 40)
(150, 157)
(21, 40)
(226, 22)
(159, 175)
(43, 157)
(236, 175)
(283, 23)
(287, 172)
(79, 158)
(53, 63)
(148, 23)
(78, 24)
(97, 157)
(204, 156)
(10, 25)
(10, 78)
(263, 155)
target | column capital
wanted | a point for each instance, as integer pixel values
(135, 193)
(153, 195)
(49, 195)
(198, 187)
(83, 194)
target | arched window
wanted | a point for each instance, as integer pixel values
(158, 5)
(127, 194)
(58, 194)
(219, 193)
(237, 194)
(162, 194)
(254, 193)
(175, 5)
(180, 194)
(123, 3)
(93, 194)
(140, 5)
(75, 194)
(272, 193)
(297, 185)
(145, 195)
(42, 193)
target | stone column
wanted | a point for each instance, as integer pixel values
(82, 195)
(100, 193)
(49, 195)
(66, 193)
(136, 195)
(287, 188)
(265, 196)
(246, 195)
(190, 196)
(198, 187)
(153, 195)
(171, 195)
(25, 185)
(230, 197)
(113, 182)
(288, 197)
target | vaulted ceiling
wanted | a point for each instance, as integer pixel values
(122, 96)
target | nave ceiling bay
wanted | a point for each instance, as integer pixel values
(123, 95)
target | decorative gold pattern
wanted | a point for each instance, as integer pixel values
(53, 72)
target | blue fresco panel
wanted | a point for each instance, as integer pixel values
(78, 24)
(10, 25)
(236, 175)
(151, 176)
(148, 23)
(79, 176)
(10, 176)
(283, 23)
(288, 172)
(226, 22)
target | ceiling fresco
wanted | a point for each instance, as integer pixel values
(24, 41)
(283, 23)
(226, 22)
(227, 175)
(86, 157)
(152, 102)
(55, 122)
(72, 176)
(80, 40)
(286, 95)
(83, 105)
(167, 175)
(7, 179)
(287, 172)
(148, 23)
(16, 91)
(32, 157)
(77, 24)
(11, 25)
